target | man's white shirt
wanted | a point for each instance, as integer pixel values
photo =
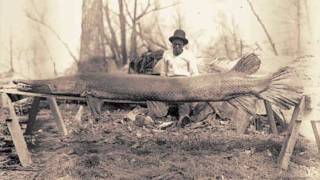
(182, 65)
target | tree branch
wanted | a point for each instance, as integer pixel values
(144, 11)
(264, 28)
(140, 33)
(127, 9)
(55, 33)
(155, 9)
(41, 16)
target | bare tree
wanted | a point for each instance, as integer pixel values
(41, 18)
(298, 27)
(160, 34)
(232, 44)
(28, 15)
(139, 30)
(179, 18)
(11, 53)
(122, 21)
(306, 6)
(92, 37)
(133, 48)
(237, 42)
(273, 46)
(112, 41)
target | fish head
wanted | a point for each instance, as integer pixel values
(37, 86)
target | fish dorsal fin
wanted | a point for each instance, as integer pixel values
(248, 64)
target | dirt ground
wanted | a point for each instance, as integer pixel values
(118, 148)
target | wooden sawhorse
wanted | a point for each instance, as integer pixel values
(15, 129)
(293, 133)
(13, 121)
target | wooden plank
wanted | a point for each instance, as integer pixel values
(32, 115)
(57, 115)
(291, 137)
(76, 98)
(316, 132)
(17, 135)
(270, 115)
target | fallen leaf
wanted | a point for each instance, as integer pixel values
(139, 135)
(165, 125)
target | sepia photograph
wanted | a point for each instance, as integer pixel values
(159, 89)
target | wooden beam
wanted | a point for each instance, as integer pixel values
(291, 137)
(32, 115)
(57, 115)
(17, 135)
(74, 97)
(316, 132)
(270, 115)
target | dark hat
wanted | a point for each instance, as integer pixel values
(179, 34)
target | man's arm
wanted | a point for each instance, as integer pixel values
(193, 65)
(164, 66)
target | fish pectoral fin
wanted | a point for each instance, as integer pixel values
(246, 102)
(95, 105)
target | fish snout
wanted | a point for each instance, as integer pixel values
(31, 86)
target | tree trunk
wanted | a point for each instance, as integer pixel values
(298, 28)
(92, 52)
(133, 47)
(114, 46)
(179, 18)
(123, 33)
(11, 54)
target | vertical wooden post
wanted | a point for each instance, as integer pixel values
(57, 115)
(291, 137)
(17, 135)
(270, 115)
(3, 100)
(78, 116)
(32, 115)
(316, 132)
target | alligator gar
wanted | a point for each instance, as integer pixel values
(276, 88)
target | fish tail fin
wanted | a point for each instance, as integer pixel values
(284, 89)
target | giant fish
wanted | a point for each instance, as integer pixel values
(234, 86)
(275, 88)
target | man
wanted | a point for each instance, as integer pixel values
(179, 62)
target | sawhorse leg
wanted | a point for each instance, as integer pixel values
(17, 135)
(270, 115)
(55, 112)
(316, 132)
(291, 137)
(57, 115)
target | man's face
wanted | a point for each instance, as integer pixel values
(177, 46)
